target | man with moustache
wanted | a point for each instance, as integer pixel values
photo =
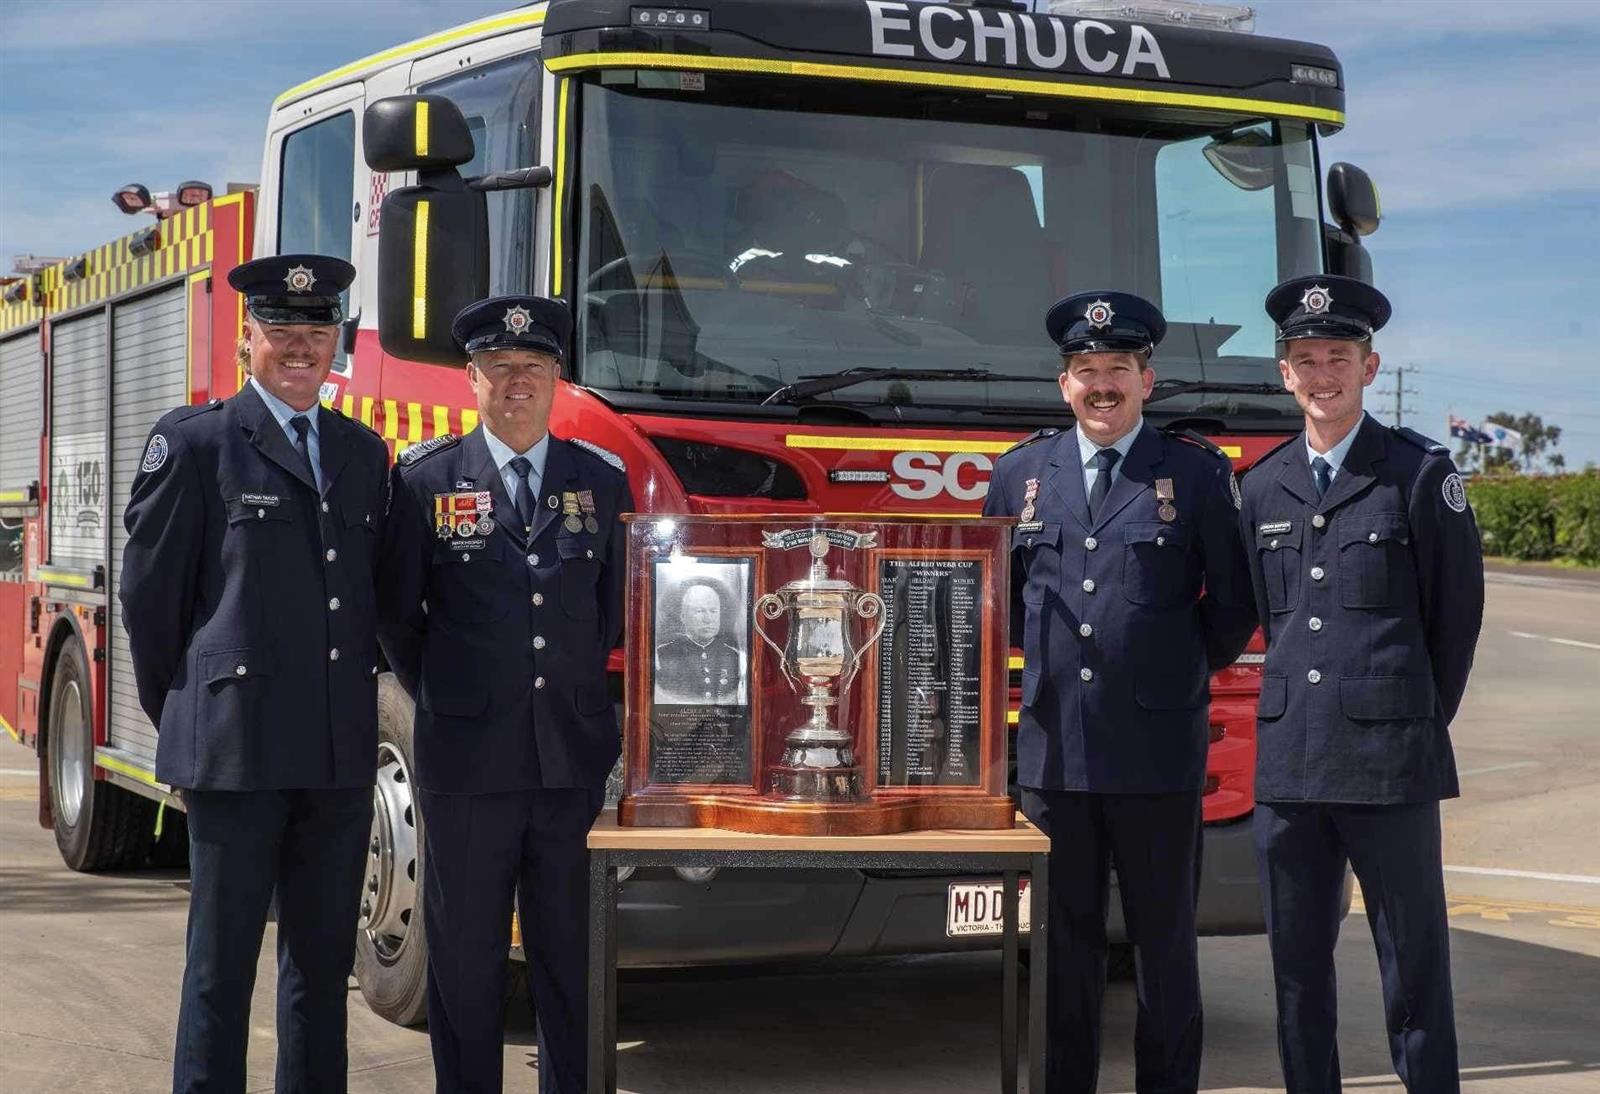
(699, 666)
(502, 593)
(247, 593)
(1129, 588)
(1368, 576)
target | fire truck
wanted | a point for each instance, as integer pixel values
(808, 246)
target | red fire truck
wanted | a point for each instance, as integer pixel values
(809, 246)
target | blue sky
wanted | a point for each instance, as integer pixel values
(1475, 118)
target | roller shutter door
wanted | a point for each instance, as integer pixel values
(21, 409)
(78, 442)
(149, 376)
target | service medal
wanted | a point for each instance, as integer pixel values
(485, 526)
(1030, 491)
(1167, 511)
(586, 503)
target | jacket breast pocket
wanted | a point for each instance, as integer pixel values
(580, 576)
(468, 583)
(1280, 557)
(1155, 563)
(1038, 553)
(260, 511)
(1374, 553)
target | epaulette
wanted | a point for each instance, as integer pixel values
(605, 454)
(1200, 440)
(184, 413)
(424, 448)
(1427, 444)
(1036, 435)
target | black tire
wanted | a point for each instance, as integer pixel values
(391, 949)
(98, 826)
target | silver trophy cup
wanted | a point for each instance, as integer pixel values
(820, 656)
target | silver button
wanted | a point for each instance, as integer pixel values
(1316, 573)
(538, 641)
(239, 670)
(1085, 630)
(538, 682)
(538, 598)
(1085, 675)
(333, 604)
(466, 556)
(1372, 537)
(374, 670)
(332, 554)
(1318, 521)
(324, 507)
(333, 655)
(261, 514)
(1161, 541)
(533, 560)
(1088, 584)
(1091, 543)
(1314, 676)
(588, 554)
(1273, 546)
(1314, 623)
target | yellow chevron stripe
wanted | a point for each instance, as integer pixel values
(413, 423)
(441, 420)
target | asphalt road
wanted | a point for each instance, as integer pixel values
(90, 965)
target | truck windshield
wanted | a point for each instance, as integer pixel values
(733, 242)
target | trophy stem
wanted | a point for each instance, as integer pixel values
(819, 759)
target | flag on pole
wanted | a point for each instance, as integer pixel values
(1502, 437)
(1461, 429)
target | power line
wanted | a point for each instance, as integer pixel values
(1400, 392)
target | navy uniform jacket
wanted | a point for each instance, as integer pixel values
(503, 643)
(687, 672)
(1371, 600)
(1118, 639)
(249, 600)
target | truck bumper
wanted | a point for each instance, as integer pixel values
(752, 915)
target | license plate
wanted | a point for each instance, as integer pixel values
(974, 907)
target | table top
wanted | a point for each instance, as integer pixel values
(1023, 839)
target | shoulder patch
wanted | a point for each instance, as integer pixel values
(1036, 435)
(1427, 444)
(1455, 494)
(605, 454)
(425, 448)
(1200, 440)
(155, 454)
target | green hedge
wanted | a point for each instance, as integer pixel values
(1551, 516)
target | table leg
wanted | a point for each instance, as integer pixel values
(1008, 1003)
(602, 974)
(1038, 968)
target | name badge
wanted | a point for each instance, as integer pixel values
(1275, 527)
(259, 500)
(1031, 526)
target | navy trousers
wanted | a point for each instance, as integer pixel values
(483, 850)
(1153, 840)
(309, 845)
(1302, 850)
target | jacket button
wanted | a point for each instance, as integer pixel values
(332, 554)
(333, 604)
(533, 560)
(1088, 584)
(1273, 546)
(1314, 623)
(1318, 521)
(333, 655)
(538, 682)
(239, 670)
(324, 507)
(1316, 573)
(1161, 541)
(1372, 537)
(1085, 675)
(538, 598)
(466, 556)
(538, 641)
(1090, 544)
(261, 514)
(588, 554)
(1314, 676)
(1085, 630)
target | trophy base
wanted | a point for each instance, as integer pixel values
(818, 784)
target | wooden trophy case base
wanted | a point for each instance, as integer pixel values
(877, 816)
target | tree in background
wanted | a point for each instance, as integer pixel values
(1538, 447)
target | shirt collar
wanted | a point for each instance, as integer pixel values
(1335, 455)
(1087, 448)
(281, 410)
(502, 453)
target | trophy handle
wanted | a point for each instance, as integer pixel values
(770, 606)
(868, 606)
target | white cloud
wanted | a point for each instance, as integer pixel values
(1399, 24)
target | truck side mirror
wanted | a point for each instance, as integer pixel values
(433, 238)
(1353, 200)
(1346, 255)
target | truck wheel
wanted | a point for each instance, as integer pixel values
(391, 951)
(98, 826)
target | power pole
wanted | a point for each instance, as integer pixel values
(1400, 391)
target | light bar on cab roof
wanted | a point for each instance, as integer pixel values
(1238, 18)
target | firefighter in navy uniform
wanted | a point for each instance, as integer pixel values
(248, 596)
(502, 588)
(1119, 527)
(1369, 581)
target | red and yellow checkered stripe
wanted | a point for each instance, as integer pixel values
(403, 424)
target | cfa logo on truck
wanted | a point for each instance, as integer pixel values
(964, 476)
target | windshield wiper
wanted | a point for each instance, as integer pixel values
(1166, 389)
(821, 385)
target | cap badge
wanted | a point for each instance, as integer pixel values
(1316, 300)
(1099, 314)
(299, 279)
(518, 319)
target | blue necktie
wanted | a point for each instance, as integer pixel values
(524, 500)
(1105, 460)
(1323, 472)
(302, 427)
